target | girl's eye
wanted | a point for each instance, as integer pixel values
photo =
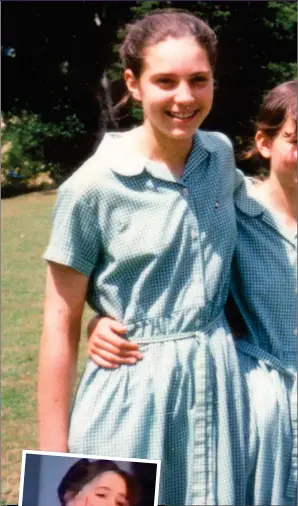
(199, 80)
(291, 137)
(165, 81)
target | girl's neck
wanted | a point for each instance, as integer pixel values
(160, 148)
(280, 197)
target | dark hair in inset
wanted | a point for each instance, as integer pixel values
(157, 27)
(278, 104)
(84, 471)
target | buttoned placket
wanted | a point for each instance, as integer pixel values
(203, 447)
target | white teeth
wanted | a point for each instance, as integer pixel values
(182, 116)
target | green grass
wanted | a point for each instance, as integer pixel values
(26, 223)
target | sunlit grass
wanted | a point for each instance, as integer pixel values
(26, 223)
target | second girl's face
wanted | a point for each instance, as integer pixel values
(175, 87)
(282, 152)
(108, 489)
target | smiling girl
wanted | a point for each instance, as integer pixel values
(264, 286)
(145, 232)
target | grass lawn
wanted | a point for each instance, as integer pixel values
(26, 222)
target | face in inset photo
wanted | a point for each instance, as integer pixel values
(109, 489)
(72, 480)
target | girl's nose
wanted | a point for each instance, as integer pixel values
(184, 94)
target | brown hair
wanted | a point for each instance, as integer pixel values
(84, 471)
(278, 104)
(157, 27)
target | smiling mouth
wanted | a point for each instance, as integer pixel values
(182, 116)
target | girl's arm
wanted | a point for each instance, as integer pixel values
(64, 303)
(106, 347)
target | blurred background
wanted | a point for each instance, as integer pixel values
(61, 76)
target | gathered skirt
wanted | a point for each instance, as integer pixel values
(195, 403)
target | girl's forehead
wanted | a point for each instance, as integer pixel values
(174, 54)
(290, 125)
(109, 480)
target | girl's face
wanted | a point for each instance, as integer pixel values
(175, 87)
(108, 489)
(282, 151)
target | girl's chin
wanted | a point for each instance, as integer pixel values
(183, 134)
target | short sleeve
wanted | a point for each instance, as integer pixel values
(75, 237)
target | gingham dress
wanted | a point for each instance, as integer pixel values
(264, 286)
(158, 253)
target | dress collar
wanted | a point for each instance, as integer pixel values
(127, 163)
(249, 205)
(245, 201)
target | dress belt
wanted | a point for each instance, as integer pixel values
(162, 338)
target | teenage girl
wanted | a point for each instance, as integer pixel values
(264, 287)
(145, 231)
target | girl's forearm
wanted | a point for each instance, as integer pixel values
(57, 372)
(64, 303)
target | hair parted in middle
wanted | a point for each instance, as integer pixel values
(157, 27)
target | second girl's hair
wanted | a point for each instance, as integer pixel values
(278, 104)
(157, 27)
(84, 471)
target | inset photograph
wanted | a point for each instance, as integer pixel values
(62, 479)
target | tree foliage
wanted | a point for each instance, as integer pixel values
(60, 61)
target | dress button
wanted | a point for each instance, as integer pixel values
(216, 204)
(185, 192)
(194, 234)
(295, 332)
(150, 185)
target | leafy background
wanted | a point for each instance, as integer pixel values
(61, 74)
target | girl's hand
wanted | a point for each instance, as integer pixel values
(106, 347)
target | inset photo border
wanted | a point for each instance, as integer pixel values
(64, 479)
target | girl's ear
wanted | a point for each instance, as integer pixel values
(263, 144)
(132, 85)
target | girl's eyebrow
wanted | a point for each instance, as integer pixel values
(102, 487)
(290, 134)
(193, 74)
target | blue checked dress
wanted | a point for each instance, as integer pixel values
(158, 253)
(264, 286)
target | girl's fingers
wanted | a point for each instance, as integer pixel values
(117, 341)
(117, 355)
(108, 324)
(110, 361)
(108, 330)
(103, 363)
(97, 348)
(97, 345)
(116, 326)
(102, 324)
